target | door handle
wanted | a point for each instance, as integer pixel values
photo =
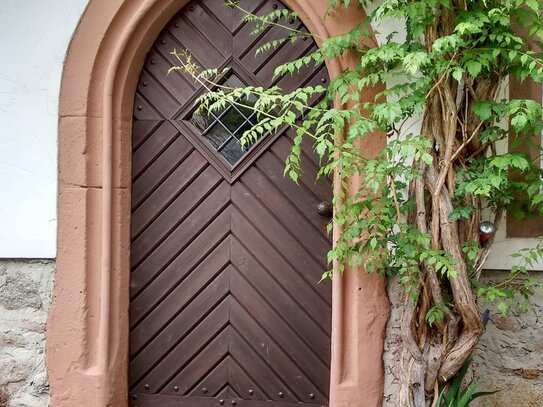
(325, 209)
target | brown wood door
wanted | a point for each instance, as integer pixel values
(226, 253)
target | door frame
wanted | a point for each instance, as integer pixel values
(87, 328)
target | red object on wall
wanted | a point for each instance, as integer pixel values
(486, 230)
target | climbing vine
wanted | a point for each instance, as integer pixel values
(430, 203)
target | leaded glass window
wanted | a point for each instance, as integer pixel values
(224, 129)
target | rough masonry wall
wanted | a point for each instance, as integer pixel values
(25, 295)
(509, 357)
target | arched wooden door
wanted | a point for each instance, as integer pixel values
(226, 253)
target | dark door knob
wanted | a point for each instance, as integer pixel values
(325, 209)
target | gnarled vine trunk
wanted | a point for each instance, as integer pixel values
(432, 355)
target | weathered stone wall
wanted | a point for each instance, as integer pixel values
(25, 295)
(509, 357)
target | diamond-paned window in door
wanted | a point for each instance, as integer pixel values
(224, 129)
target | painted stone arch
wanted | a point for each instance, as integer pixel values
(87, 331)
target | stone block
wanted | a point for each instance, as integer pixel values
(25, 295)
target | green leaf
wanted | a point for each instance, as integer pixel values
(461, 213)
(457, 73)
(293, 175)
(533, 4)
(414, 62)
(502, 308)
(482, 109)
(519, 122)
(473, 67)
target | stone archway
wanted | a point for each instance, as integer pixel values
(87, 335)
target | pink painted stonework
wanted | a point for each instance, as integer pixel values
(87, 330)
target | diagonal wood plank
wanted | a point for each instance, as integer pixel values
(202, 19)
(222, 14)
(281, 362)
(240, 380)
(227, 17)
(154, 145)
(214, 381)
(292, 219)
(277, 329)
(201, 364)
(268, 225)
(155, 94)
(256, 370)
(243, 39)
(158, 321)
(177, 270)
(319, 186)
(288, 53)
(246, 46)
(172, 213)
(160, 60)
(315, 300)
(198, 324)
(167, 191)
(223, 393)
(177, 85)
(197, 45)
(298, 194)
(141, 130)
(232, 393)
(312, 75)
(175, 243)
(159, 170)
(284, 303)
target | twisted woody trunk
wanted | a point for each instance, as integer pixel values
(432, 355)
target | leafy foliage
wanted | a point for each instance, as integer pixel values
(456, 395)
(443, 103)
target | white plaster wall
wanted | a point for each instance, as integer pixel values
(34, 37)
